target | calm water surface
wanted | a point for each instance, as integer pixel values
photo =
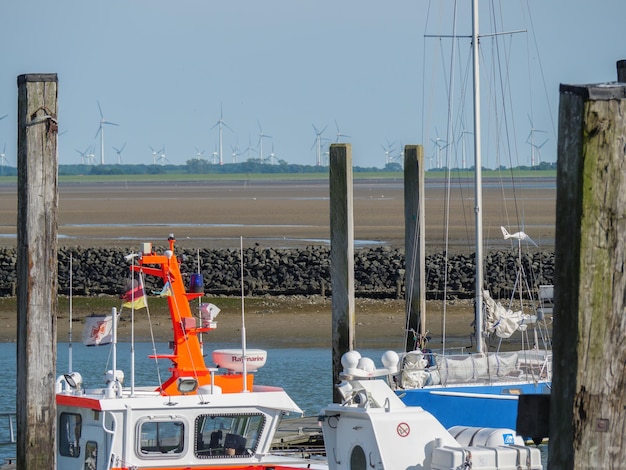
(304, 373)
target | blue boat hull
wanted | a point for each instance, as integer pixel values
(493, 406)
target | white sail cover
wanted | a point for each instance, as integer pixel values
(502, 321)
(98, 330)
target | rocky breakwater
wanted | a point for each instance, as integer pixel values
(378, 272)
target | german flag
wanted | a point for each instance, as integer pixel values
(135, 297)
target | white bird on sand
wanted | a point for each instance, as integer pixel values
(517, 235)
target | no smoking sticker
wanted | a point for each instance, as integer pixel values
(403, 430)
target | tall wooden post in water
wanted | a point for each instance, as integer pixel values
(621, 71)
(587, 420)
(36, 270)
(414, 245)
(341, 256)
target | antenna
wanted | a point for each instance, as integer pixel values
(339, 134)
(261, 137)
(101, 132)
(221, 123)
(119, 153)
(244, 361)
(318, 143)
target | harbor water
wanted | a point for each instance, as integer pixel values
(304, 373)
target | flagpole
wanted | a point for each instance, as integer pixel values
(199, 304)
(244, 369)
(132, 335)
(69, 334)
(114, 320)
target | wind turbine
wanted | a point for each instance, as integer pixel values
(236, 152)
(261, 137)
(87, 157)
(119, 153)
(531, 141)
(520, 236)
(3, 158)
(83, 158)
(215, 157)
(339, 134)
(440, 144)
(272, 158)
(249, 149)
(318, 142)
(221, 123)
(101, 132)
(388, 151)
(463, 147)
(155, 154)
(162, 158)
(199, 153)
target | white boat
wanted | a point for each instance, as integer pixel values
(201, 417)
(218, 418)
(481, 388)
(373, 428)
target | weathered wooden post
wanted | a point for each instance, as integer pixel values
(414, 245)
(621, 71)
(341, 256)
(37, 210)
(588, 409)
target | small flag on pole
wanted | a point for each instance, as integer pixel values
(166, 291)
(98, 330)
(135, 297)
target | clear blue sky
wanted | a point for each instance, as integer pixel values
(162, 70)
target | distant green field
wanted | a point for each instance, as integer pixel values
(185, 177)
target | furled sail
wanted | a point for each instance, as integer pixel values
(502, 321)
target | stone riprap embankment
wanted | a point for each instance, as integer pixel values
(378, 272)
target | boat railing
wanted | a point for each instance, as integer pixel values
(546, 300)
(8, 428)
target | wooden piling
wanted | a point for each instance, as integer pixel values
(588, 409)
(36, 270)
(621, 71)
(414, 245)
(341, 256)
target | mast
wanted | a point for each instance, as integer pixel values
(478, 192)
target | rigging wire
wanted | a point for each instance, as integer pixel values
(448, 177)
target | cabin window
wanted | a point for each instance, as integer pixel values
(161, 437)
(91, 455)
(227, 435)
(357, 459)
(70, 429)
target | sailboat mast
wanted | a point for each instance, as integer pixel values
(478, 193)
